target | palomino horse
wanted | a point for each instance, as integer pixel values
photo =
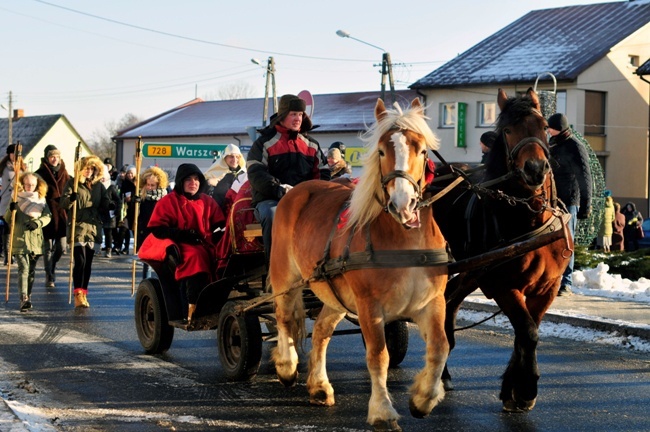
(515, 203)
(390, 264)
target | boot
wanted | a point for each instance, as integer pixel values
(78, 298)
(84, 293)
(190, 311)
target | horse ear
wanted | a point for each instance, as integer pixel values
(380, 109)
(415, 103)
(532, 94)
(502, 97)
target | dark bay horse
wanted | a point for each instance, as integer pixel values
(384, 226)
(515, 202)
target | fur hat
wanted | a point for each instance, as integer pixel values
(334, 153)
(96, 164)
(51, 150)
(558, 121)
(338, 145)
(108, 161)
(289, 103)
(488, 139)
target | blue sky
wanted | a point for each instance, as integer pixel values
(90, 61)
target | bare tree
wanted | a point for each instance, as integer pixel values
(238, 90)
(100, 141)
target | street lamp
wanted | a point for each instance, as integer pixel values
(10, 125)
(386, 65)
(270, 75)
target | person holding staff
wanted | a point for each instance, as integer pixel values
(91, 200)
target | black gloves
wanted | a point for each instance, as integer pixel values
(13, 206)
(112, 205)
(584, 212)
(137, 199)
(31, 225)
(191, 237)
(73, 197)
(178, 235)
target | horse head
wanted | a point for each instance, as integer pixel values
(393, 175)
(402, 157)
(522, 127)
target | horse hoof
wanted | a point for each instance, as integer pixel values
(416, 412)
(386, 426)
(512, 406)
(289, 382)
(447, 384)
(321, 398)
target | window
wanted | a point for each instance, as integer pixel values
(634, 60)
(594, 113)
(487, 114)
(561, 102)
(448, 115)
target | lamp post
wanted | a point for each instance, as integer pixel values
(10, 125)
(386, 65)
(270, 76)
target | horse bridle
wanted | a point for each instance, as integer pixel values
(400, 174)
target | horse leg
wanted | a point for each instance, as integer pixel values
(519, 385)
(289, 314)
(381, 414)
(427, 390)
(318, 384)
(456, 291)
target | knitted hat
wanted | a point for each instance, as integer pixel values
(11, 148)
(488, 139)
(558, 121)
(51, 150)
(108, 161)
(289, 103)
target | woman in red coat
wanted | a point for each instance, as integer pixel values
(188, 218)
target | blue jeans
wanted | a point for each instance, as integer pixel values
(567, 277)
(265, 212)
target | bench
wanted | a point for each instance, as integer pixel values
(252, 231)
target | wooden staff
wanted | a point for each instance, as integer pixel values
(18, 163)
(75, 188)
(136, 210)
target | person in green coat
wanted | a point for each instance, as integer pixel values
(32, 214)
(606, 227)
(91, 200)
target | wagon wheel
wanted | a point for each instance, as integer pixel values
(396, 334)
(151, 322)
(397, 341)
(240, 343)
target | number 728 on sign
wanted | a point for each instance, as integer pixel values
(158, 151)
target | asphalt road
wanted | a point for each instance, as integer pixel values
(70, 370)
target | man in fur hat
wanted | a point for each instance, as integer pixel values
(53, 171)
(283, 156)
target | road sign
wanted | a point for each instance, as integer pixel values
(183, 151)
(309, 101)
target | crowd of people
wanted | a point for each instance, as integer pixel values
(184, 224)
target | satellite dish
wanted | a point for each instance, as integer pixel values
(309, 101)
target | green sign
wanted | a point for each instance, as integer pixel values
(461, 125)
(182, 151)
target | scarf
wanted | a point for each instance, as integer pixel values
(31, 204)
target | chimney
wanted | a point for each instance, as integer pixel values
(18, 113)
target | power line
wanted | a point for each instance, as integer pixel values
(160, 32)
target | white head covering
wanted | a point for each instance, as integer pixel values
(220, 168)
(106, 178)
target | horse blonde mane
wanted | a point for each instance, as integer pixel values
(364, 203)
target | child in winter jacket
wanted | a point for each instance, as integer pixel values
(32, 214)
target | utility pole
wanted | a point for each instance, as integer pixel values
(10, 119)
(270, 82)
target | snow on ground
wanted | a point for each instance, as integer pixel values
(598, 282)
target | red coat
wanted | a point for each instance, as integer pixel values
(202, 215)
